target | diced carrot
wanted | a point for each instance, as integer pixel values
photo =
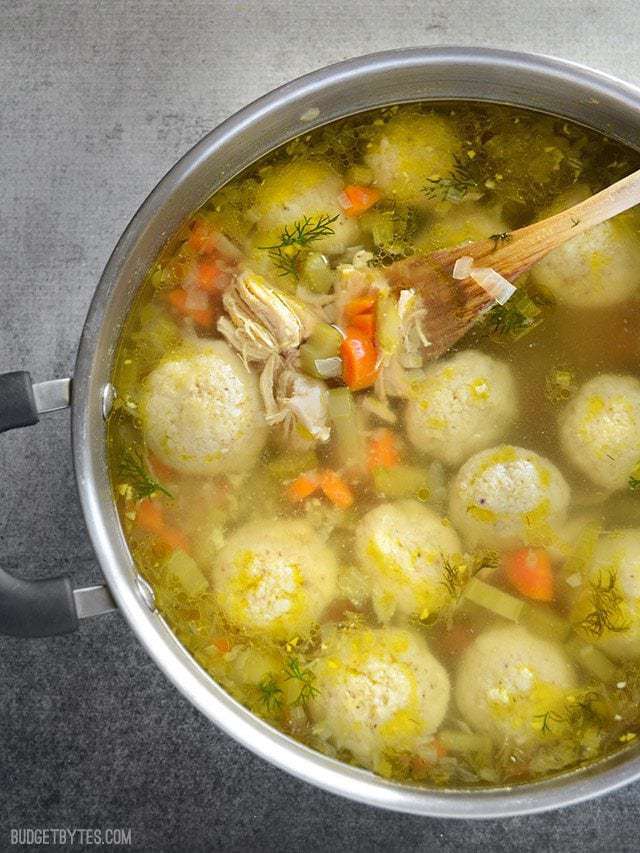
(149, 516)
(441, 751)
(164, 472)
(366, 323)
(202, 316)
(336, 489)
(357, 199)
(222, 645)
(529, 571)
(174, 539)
(203, 237)
(358, 359)
(383, 450)
(359, 305)
(209, 275)
(303, 486)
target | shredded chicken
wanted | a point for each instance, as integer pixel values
(261, 321)
(292, 398)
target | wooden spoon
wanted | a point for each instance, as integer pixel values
(454, 306)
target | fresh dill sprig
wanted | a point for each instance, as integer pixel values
(455, 186)
(285, 254)
(138, 477)
(503, 237)
(607, 613)
(546, 719)
(305, 678)
(634, 479)
(270, 694)
(454, 577)
(516, 318)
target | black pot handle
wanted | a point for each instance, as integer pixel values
(48, 606)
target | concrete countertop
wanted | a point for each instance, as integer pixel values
(98, 99)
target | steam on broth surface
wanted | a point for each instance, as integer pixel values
(428, 569)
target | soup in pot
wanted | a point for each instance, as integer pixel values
(426, 568)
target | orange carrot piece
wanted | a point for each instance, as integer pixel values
(383, 450)
(358, 359)
(358, 199)
(336, 489)
(209, 275)
(303, 486)
(529, 571)
(359, 305)
(201, 316)
(149, 516)
(222, 645)
(164, 472)
(174, 539)
(366, 323)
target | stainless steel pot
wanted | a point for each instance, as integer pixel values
(50, 606)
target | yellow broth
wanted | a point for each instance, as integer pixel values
(492, 164)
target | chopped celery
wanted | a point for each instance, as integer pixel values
(454, 741)
(594, 661)
(388, 325)
(316, 274)
(546, 623)
(380, 410)
(402, 481)
(289, 465)
(494, 599)
(583, 550)
(347, 435)
(184, 569)
(319, 355)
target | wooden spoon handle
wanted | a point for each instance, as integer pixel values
(527, 245)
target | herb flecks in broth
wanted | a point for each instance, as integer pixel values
(428, 569)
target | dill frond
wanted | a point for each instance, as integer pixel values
(503, 237)
(305, 677)
(455, 186)
(133, 468)
(516, 318)
(607, 613)
(455, 576)
(285, 254)
(634, 479)
(270, 694)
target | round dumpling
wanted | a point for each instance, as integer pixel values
(463, 404)
(378, 690)
(292, 191)
(598, 268)
(600, 429)
(508, 680)
(402, 547)
(409, 150)
(607, 608)
(461, 223)
(508, 496)
(274, 578)
(201, 412)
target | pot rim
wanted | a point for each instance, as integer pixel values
(116, 563)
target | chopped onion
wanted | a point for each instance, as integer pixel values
(495, 284)
(574, 580)
(197, 300)
(410, 360)
(462, 268)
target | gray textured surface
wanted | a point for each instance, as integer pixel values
(97, 101)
